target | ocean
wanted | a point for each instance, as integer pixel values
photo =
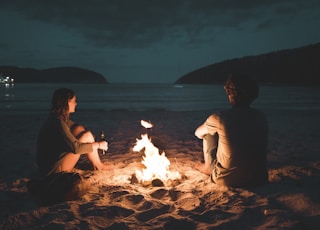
(141, 97)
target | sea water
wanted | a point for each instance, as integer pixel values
(141, 97)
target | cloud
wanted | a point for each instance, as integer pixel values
(140, 23)
(3, 45)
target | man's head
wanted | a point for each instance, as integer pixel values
(241, 90)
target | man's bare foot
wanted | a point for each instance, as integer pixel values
(203, 168)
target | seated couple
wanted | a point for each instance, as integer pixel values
(234, 140)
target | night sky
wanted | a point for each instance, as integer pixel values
(146, 41)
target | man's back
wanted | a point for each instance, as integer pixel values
(242, 146)
(238, 135)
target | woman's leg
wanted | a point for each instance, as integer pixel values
(86, 136)
(68, 162)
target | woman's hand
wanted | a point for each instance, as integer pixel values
(103, 145)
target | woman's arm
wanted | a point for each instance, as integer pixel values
(75, 146)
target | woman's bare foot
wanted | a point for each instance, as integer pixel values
(103, 166)
(203, 168)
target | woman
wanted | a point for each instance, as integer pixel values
(61, 141)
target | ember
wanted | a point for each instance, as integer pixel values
(157, 164)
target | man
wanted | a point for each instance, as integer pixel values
(235, 140)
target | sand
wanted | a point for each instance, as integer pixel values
(290, 201)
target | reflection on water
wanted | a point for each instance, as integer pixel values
(37, 97)
(7, 95)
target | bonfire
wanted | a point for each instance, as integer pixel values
(156, 163)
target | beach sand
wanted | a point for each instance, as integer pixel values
(290, 201)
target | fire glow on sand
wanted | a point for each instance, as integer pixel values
(156, 164)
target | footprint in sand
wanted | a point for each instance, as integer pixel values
(180, 224)
(158, 194)
(109, 212)
(134, 199)
(145, 205)
(153, 213)
(118, 194)
(188, 202)
(161, 193)
(174, 194)
(211, 216)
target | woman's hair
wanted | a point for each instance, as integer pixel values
(243, 89)
(59, 103)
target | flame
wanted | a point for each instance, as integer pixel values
(157, 164)
(146, 124)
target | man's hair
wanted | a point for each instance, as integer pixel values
(243, 89)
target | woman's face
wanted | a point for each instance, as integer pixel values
(72, 104)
